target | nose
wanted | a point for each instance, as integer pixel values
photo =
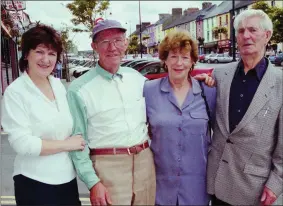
(111, 46)
(45, 58)
(179, 60)
(246, 34)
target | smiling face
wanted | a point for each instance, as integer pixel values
(41, 60)
(251, 37)
(179, 64)
(111, 45)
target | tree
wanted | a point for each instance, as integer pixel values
(133, 44)
(276, 16)
(67, 46)
(85, 12)
(216, 31)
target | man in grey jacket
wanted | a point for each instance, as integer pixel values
(245, 161)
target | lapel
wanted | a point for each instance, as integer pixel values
(261, 96)
(165, 87)
(225, 86)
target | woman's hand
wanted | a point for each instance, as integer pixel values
(209, 81)
(75, 142)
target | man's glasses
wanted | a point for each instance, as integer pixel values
(117, 42)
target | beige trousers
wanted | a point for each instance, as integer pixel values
(129, 179)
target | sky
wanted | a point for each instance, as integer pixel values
(56, 14)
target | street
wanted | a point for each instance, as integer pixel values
(7, 156)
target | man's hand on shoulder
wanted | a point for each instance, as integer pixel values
(99, 195)
(268, 197)
(209, 81)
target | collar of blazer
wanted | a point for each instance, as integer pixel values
(261, 96)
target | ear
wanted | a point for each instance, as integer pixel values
(93, 46)
(126, 42)
(268, 36)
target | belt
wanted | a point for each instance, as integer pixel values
(113, 151)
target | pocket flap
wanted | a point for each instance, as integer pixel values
(256, 170)
(199, 115)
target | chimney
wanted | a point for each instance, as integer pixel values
(145, 24)
(206, 5)
(137, 27)
(177, 12)
(190, 11)
(162, 16)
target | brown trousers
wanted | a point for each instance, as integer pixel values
(129, 179)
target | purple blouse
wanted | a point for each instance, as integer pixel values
(179, 142)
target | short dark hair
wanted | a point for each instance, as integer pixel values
(40, 34)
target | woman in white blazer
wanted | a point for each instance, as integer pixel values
(36, 116)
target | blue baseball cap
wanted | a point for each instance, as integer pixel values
(106, 24)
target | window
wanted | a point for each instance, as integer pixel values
(220, 21)
(207, 36)
(273, 3)
(151, 69)
(212, 23)
(227, 19)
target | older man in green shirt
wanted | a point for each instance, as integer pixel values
(108, 109)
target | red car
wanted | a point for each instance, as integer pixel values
(201, 58)
(154, 70)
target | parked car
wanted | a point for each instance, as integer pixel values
(278, 60)
(206, 58)
(271, 58)
(154, 70)
(220, 58)
(140, 64)
(201, 58)
(133, 63)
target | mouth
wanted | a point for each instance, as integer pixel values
(113, 55)
(247, 44)
(43, 66)
(178, 70)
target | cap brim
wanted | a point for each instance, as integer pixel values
(113, 27)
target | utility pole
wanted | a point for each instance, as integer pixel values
(140, 28)
(233, 32)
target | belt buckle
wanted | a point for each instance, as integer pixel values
(129, 151)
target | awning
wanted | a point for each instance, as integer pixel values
(210, 44)
(5, 29)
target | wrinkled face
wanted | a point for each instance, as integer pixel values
(251, 38)
(111, 46)
(41, 60)
(178, 64)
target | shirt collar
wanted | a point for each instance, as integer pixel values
(260, 68)
(166, 87)
(107, 75)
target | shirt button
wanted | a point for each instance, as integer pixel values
(180, 113)
(241, 95)
(179, 128)
(239, 110)
(244, 80)
(179, 159)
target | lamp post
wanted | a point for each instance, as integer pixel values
(130, 27)
(233, 32)
(140, 28)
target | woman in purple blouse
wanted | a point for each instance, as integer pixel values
(178, 121)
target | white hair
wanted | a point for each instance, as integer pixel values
(265, 22)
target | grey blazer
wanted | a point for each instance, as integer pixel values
(241, 163)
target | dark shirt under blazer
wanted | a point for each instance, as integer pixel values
(243, 89)
(242, 162)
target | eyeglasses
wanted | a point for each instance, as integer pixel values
(117, 42)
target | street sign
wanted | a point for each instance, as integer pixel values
(14, 5)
